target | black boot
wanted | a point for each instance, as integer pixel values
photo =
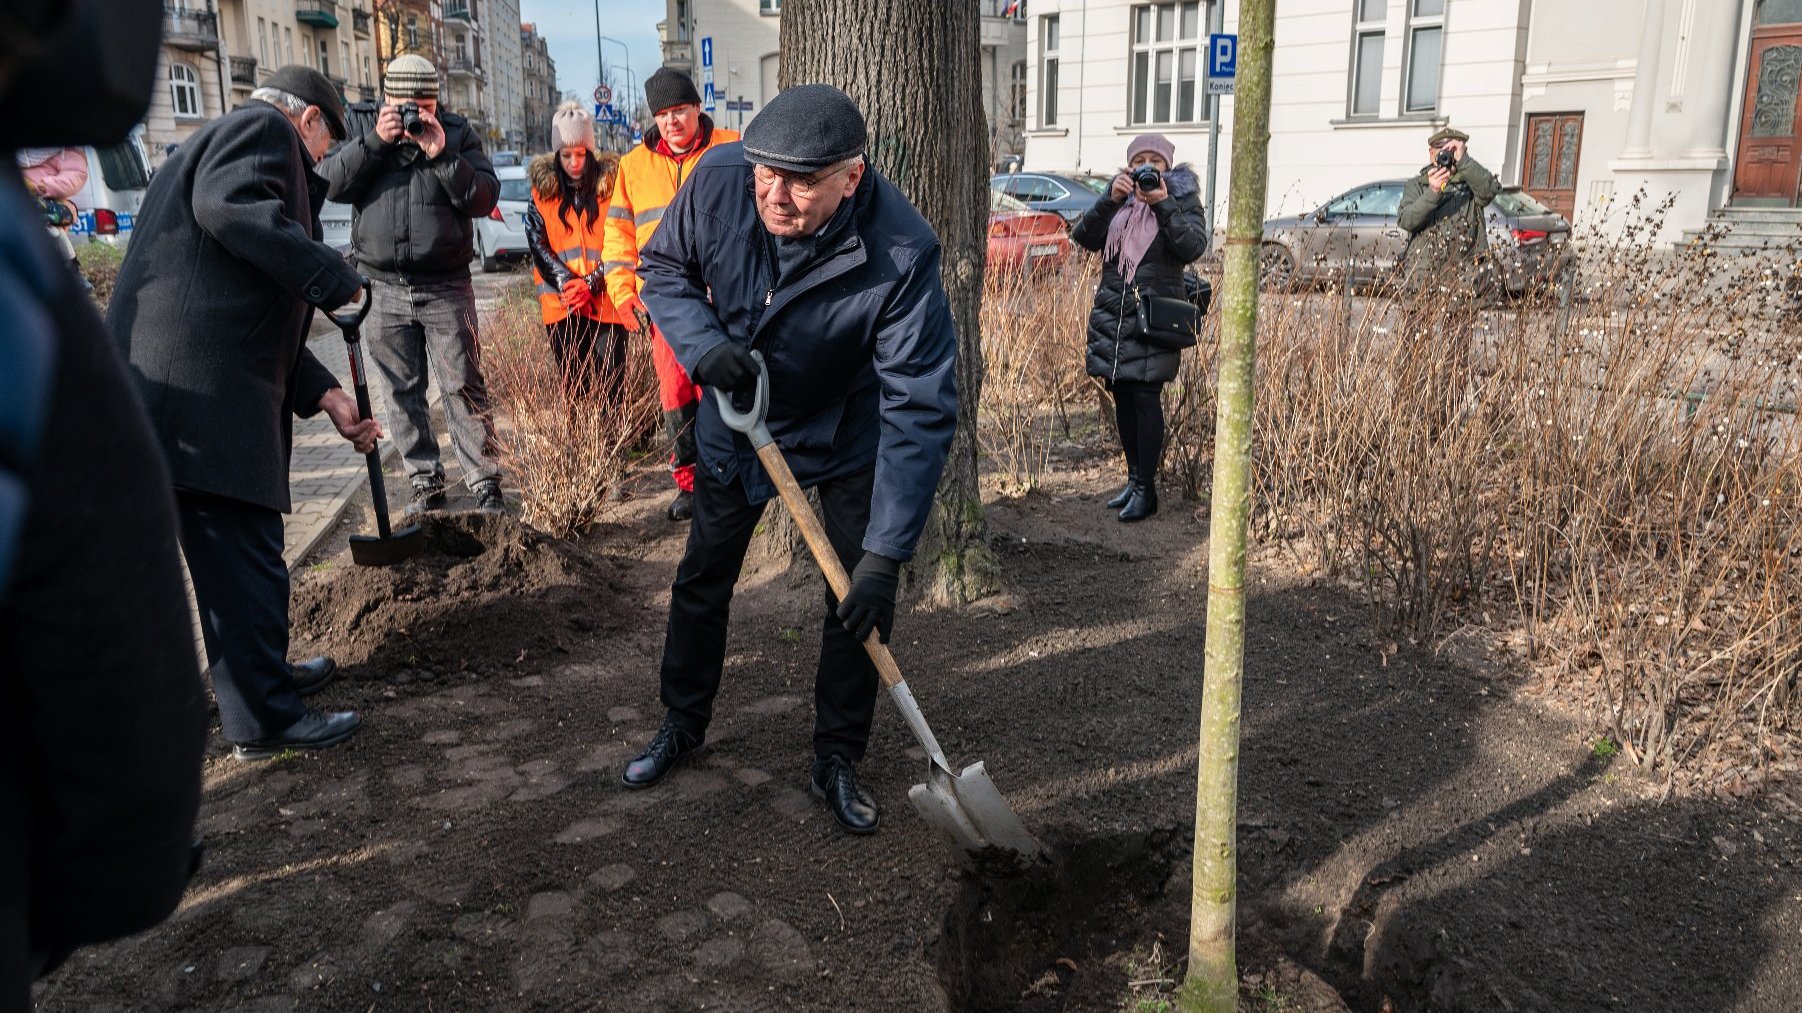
(671, 743)
(1141, 504)
(834, 779)
(1120, 498)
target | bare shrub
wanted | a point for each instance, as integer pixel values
(567, 453)
(1620, 471)
(1034, 329)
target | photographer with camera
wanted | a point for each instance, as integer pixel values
(416, 175)
(1442, 211)
(1148, 228)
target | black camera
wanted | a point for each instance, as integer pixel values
(1445, 159)
(410, 121)
(1147, 177)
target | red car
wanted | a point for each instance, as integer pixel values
(1021, 239)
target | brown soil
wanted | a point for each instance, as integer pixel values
(1410, 830)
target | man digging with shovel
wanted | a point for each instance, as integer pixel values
(788, 244)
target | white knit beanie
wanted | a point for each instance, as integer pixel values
(572, 124)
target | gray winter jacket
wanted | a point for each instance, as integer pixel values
(413, 214)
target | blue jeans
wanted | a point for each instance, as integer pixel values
(415, 328)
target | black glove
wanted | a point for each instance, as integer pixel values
(871, 603)
(728, 367)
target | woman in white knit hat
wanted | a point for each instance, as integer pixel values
(570, 190)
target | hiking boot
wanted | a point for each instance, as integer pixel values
(683, 506)
(488, 498)
(426, 498)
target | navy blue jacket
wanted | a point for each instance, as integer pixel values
(860, 347)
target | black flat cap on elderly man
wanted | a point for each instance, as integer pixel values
(315, 89)
(806, 128)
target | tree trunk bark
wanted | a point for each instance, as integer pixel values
(1212, 982)
(913, 67)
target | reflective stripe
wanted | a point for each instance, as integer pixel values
(547, 290)
(647, 217)
(612, 265)
(613, 212)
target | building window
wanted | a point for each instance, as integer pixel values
(325, 59)
(1048, 61)
(344, 66)
(1371, 21)
(1166, 62)
(1426, 47)
(263, 42)
(1016, 92)
(288, 34)
(770, 7)
(184, 90)
(412, 33)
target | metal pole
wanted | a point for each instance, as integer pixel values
(1216, 22)
(600, 58)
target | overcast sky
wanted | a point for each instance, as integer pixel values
(568, 26)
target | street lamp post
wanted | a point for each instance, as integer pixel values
(630, 78)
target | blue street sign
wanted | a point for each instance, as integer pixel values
(1223, 63)
(707, 51)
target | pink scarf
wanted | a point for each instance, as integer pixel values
(1129, 235)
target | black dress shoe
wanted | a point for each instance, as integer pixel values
(671, 743)
(835, 780)
(1141, 504)
(317, 730)
(682, 508)
(1123, 495)
(312, 675)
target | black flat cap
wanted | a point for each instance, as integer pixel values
(805, 129)
(314, 89)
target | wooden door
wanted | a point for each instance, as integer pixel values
(1770, 132)
(1554, 140)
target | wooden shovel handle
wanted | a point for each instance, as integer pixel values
(814, 533)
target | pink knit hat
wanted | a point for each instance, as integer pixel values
(1157, 144)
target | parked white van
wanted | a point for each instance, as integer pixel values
(118, 175)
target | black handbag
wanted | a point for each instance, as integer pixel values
(1169, 323)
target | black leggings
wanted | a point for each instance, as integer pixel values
(1139, 412)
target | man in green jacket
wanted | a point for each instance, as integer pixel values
(1442, 211)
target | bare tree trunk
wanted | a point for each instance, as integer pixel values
(913, 67)
(1211, 984)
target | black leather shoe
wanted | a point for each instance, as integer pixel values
(671, 743)
(835, 780)
(426, 499)
(1141, 504)
(312, 675)
(489, 499)
(683, 506)
(317, 730)
(1123, 495)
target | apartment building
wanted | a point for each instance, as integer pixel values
(541, 88)
(484, 68)
(216, 51)
(1582, 103)
(745, 41)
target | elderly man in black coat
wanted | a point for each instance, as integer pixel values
(212, 305)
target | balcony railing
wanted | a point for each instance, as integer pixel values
(192, 30)
(459, 12)
(318, 13)
(463, 65)
(244, 70)
(359, 21)
(1015, 9)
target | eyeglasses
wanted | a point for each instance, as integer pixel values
(804, 187)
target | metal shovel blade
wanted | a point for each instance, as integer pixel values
(373, 550)
(969, 810)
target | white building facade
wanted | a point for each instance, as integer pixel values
(1582, 103)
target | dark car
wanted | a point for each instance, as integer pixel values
(1356, 237)
(1066, 194)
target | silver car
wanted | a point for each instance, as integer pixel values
(502, 235)
(1356, 237)
(1068, 195)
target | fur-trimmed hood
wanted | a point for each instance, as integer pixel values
(546, 177)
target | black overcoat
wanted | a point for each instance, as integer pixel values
(1115, 353)
(215, 297)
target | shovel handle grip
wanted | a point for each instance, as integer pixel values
(349, 322)
(814, 534)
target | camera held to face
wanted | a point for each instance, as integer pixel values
(1147, 178)
(410, 121)
(1444, 158)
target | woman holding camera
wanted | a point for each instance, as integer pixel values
(570, 190)
(1148, 228)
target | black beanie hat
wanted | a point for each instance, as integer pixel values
(669, 87)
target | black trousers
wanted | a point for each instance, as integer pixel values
(694, 650)
(234, 554)
(1139, 414)
(591, 356)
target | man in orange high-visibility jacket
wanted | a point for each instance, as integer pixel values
(649, 176)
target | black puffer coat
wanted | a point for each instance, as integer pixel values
(1114, 353)
(412, 221)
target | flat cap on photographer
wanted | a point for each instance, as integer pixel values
(806, 128)
(1447, 134)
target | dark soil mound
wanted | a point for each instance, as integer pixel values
(482, 580)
